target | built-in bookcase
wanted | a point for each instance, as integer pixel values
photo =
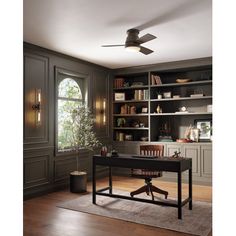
(145, 103)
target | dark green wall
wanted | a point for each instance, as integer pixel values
(44, 169)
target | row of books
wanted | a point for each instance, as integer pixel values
(141, 94)
(119, 83)
(127, 109)
(155, 80)
(120, 136)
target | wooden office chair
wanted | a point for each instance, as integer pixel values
(153, 150)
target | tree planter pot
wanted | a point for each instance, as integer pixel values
(78, 182)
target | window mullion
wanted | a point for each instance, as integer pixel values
(70, 99)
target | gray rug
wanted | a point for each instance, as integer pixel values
(196, 222)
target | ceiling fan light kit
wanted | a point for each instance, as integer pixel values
(133, 42)
(132, 48)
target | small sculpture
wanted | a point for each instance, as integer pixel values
(126, 84)
(176, 155)
(158, 109)
(121, 122)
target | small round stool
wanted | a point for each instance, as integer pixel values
(78, 182)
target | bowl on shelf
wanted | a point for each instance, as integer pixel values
(183, 80)
(128, 137)
(144, 138)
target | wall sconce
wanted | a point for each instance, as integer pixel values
(37, 106)
(101, 111)
(104, 111)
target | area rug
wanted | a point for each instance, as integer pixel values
(198, 221)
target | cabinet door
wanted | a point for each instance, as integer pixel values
(193, 151)
(206, 161)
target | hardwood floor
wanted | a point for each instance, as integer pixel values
(42, 217)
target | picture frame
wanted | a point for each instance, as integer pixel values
(205, 129)
(119, 96)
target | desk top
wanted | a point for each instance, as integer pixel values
(145, 162)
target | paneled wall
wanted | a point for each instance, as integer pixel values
(44, 169)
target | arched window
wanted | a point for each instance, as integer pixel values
(69, 88)
(69, 96)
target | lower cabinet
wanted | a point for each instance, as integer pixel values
(201, 154)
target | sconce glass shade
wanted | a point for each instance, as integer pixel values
(37, 107)
(38, 118)
(133, 48)
(104, 111)
(39, 95)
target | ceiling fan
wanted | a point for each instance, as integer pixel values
(133, 42)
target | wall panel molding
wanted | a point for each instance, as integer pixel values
(35, 76)
(36, 171)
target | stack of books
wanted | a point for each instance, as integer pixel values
(119, 83)
(126, 109)
(141, 94)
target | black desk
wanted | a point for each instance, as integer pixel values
(161, 164)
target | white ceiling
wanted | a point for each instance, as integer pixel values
(79, 27)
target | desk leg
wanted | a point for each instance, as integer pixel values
(94, 183)
(190, 188)
(110, 180)
(179, 195)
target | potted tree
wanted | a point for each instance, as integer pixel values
(82, 137)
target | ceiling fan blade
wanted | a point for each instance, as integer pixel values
(145, 51)
(145, 38)
(116, 45)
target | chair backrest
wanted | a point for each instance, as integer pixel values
(152, 150)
